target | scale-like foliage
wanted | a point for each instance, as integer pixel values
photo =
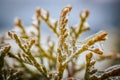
(32, 56)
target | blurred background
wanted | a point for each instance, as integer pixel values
(104, 15)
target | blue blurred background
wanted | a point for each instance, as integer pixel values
(104, 14)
